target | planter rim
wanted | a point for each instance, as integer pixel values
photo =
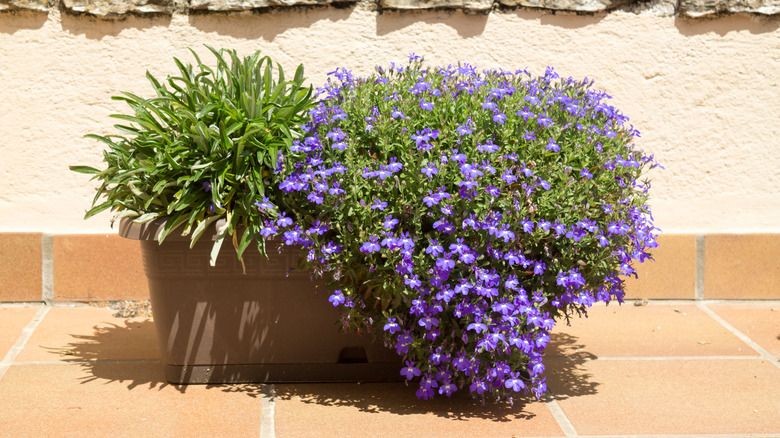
(130, 229)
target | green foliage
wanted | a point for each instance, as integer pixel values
(460, 213)
(204, 148)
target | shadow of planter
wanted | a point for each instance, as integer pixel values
(270, 324)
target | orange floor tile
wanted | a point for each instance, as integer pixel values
(663, 369)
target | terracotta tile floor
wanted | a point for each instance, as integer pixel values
(664, 369)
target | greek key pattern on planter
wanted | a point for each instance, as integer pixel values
(169, 261)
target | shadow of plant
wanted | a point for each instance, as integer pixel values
(566, 373)
(119, 353)
(566, 376)
(128, 353)
(394, 398)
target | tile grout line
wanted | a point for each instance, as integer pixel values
(84, 362)
(696, 435)
(268, 401)
(650, 302)
(699, 276)
(47, 268)
(689, 301)
(652, 358)
(560, 416)
(743, 337)
(21, 341)
(676, 435)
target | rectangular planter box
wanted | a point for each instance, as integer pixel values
(271, 324)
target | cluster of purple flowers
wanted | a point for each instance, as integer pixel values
(461, 213)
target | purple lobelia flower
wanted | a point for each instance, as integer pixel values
(434, 248)
(392, 326)
(283, 220)
(429, 170)
(371, 246)
(378, 205)
(488, 148)
(337, 298)
(389, 222)
(463, 129)
(493, 234)
(410, 371)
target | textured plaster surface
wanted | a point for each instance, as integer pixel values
(703, 93)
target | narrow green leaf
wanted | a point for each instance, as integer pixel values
(128, 130)
(147, 217)
(205, 110)
(160, 186)
(202, 227)
(261, 246)
(221, 233)
(104, 139)
(176, 221)
(97, 209)
(281, 72)
(84, 169)
(298, 74)
(267, 78)
(126, 213)
(246, 239)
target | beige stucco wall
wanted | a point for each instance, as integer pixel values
(705, 94)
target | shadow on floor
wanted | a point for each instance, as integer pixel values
(564, 360)
(399, 399)
(107, 356)
(119, 353)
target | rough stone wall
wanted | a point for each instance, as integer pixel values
(118, 9)
(569, 5)
(24, 5)
(703, 8)
(249, 5)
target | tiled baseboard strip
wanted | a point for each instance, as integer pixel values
(103, 267)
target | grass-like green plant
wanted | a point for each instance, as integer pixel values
(204, 148)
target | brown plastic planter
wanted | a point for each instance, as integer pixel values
(272, 324)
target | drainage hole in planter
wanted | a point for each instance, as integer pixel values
(353, 355)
